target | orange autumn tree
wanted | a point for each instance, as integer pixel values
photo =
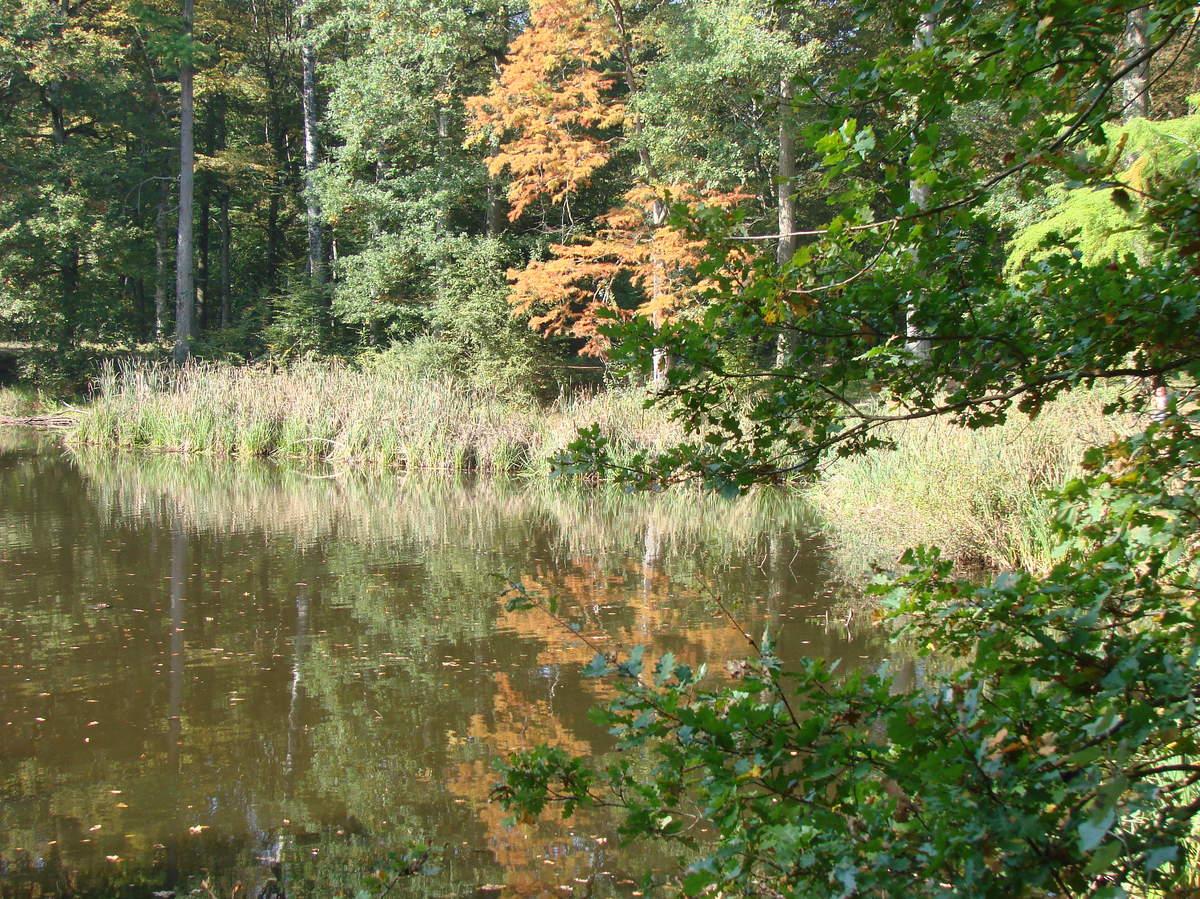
(555, 121)
(551, 104)
(566, 293)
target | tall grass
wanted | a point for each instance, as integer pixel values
(20, 402)
(978, 495)
(346, 416)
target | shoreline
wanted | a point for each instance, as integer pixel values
(976, 495)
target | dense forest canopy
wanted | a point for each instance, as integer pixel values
(382, 173)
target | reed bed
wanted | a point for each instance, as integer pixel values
(20, 402)
(345, 416)
(980, 496)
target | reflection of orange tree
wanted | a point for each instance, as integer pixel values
(658, 614)
(676, 616)
(535, 856)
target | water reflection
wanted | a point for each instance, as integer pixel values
(213, 668)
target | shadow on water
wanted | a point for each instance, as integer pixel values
(209, 669)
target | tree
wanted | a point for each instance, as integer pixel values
(575, 291)
(308, 55)
(398, 188)
(919, 191)
(551, 105)
(1106, 224)
(185, 287)
(563, 106)
(785, 175)
(1135, 87)
(79, 144)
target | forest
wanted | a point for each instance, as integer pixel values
(277, 180)
(934, 266)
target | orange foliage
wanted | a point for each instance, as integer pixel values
(565, 293)
(551, 108)
(548, 102)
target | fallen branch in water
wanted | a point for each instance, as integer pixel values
(49, 422)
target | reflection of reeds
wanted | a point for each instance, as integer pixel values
(347, 416)
(18, 439)
(311, 506)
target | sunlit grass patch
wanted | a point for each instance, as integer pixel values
(353, 417)
(978, 495)
(21, 402)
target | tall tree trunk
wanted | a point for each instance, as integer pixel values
(277, 137)
(443, 150)
(204, 312)
(145, 312)
(1135, 87)
(660, 360)
(495, 197)
(68, 256)
(184, 283)
(308, 66)
(161, 234)
(221, 296)
(226, 237)
(69, 280)
(918, 193)
(495, 212)
(785, 190)
(495, 193)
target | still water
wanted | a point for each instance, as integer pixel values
(207, 669)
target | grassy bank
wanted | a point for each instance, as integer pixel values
(976, 494)
(346, 416)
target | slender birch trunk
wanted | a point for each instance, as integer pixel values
(916, 343)
(203, 315)
(161, 236)
(660, 360)
(226, 237)
(308, 65)
(785, 342)
(1135, 87)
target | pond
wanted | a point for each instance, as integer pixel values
(210, 669)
